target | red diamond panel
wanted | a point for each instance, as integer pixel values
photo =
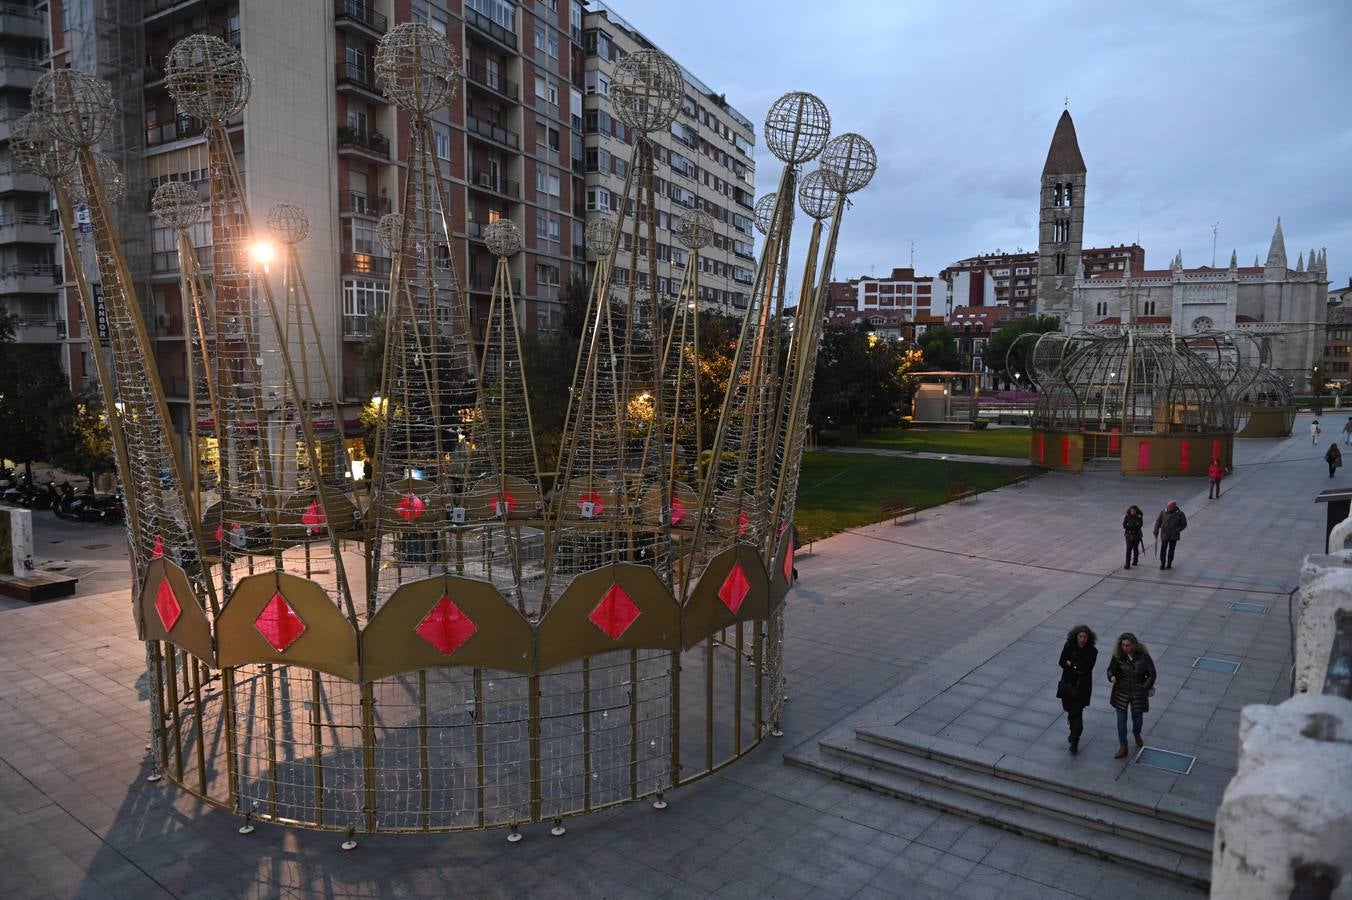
(167, 605)
(735, 588)
(446, 627)
(615, 613)
(279, 624)
(411, 507)
(788, 561)
(598, 505)
(158, 550)
(677, 511)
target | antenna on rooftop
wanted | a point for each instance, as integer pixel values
(913, 254)
(1215, 230)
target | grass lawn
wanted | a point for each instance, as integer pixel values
(986, 442)
(837, 491)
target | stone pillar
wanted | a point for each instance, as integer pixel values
(16, 541)
(1290, 802)
(1325, 591)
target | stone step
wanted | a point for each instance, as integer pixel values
(1183, 840)
(838, 762)
(1086, 786)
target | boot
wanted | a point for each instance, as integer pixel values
(1121, 752)
(1074, 746)
(1139, 742)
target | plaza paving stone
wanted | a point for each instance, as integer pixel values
(949, 625)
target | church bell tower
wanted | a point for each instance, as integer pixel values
(1060, 221)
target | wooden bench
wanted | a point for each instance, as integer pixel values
(896, 509)
(960, 491)
(37, 586)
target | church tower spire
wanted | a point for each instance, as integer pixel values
(1060, 220)
(1276, 258)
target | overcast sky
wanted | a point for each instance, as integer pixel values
(1188, 113)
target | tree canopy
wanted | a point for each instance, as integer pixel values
(30, 381)
(861, 382)
(1005, 354)
(940, 347)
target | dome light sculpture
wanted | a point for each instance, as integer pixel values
(477, 653)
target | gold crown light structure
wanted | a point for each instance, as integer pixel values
(471, 642)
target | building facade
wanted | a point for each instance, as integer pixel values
(1011, 279)
(704, 161)
(29, 277)
(1060, 220)
(902, 292)
(1284, 307)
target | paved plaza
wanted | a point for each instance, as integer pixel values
(949, 626)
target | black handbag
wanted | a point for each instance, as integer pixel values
(1068, 688)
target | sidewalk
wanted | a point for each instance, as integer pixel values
(925, 454)
(918, 623)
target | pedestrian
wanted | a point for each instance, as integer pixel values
(1215, 472)
(1133, 523)
(1078, 658)
(1131, 672)
(1315, 431)
(1169, 525)
(1334, 457)
(366, 472)
(1347, 431)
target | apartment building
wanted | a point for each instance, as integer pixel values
(703, 162)
(319, 133)
(1010, 279)
(902, 292)
(29, 277)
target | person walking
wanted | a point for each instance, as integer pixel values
(1347, 431)
(1315, 431)
(1133, 524)
(1131, 672)
(1215, 472)
(1169, 525)
(1334, 457)
(1078, 658)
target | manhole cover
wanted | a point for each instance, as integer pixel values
(1168, 760)
(95, 546)
(1249, 607)
(1216, 665)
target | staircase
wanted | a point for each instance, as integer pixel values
(1164, 835)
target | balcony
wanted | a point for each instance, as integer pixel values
(178, 130)
(496, 184)
(360, 204)
(358, 327)
(476, 72)
(353, 142)
(18, 22)
(20, 72)
(366, 264)
(30, 278)
(484, 25)
(40, 329)
(358, 16)
(352, 77)
(24, 228)
(488, 131)
(484, 284)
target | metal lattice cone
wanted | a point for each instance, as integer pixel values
(207, 78)
(76, 108)
(417, 68)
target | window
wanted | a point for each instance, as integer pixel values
(499, 11)
(597, 43)
(598, 199)
(1060, 264)
(365, 298)
(597, 82)
(364, 237)
(546, 273)
(443, 139)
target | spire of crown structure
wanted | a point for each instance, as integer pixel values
(1311, 259)
(1324, 260)
(1277, 252)
(1063, 157)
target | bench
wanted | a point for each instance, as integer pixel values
(38, 586)
(896, 509)
(960, 491)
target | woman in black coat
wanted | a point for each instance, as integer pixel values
(1077, 679)
(1132, 673)
(1132, 524)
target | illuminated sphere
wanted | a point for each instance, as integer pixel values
(178, 205)
(797, 126)
(109, 175)
(388, 230)
(502, 237)
(207, 78)
(288, 223)
(33, 149)
(75, 108)
(765, 212)
(816, 197)
(848, 162)
(696, 229)
(646, 91)
(599, 235)
(417, 68)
